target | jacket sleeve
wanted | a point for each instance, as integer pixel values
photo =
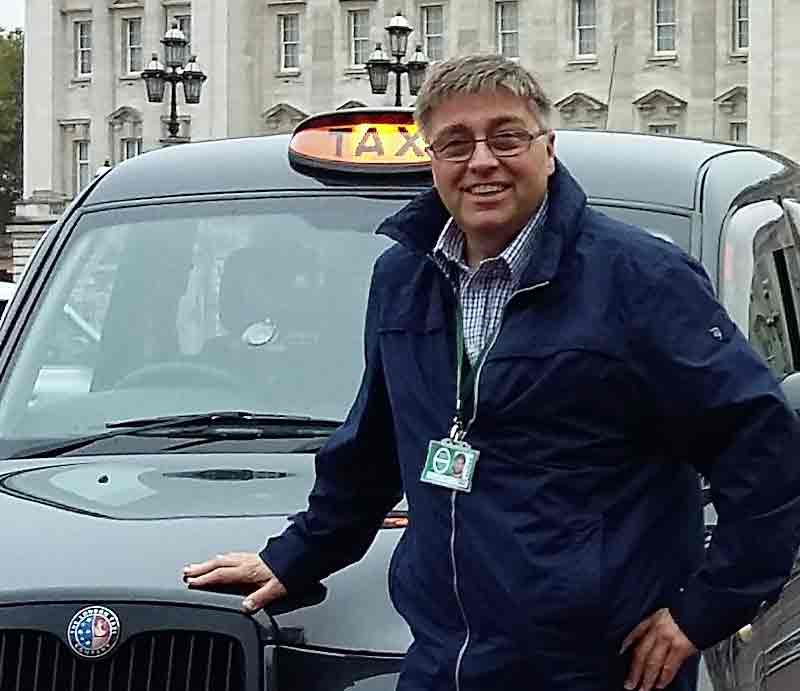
(357, 482)
(720, 407)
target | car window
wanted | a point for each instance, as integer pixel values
(760, 282)
(183, 308)
(672, 227)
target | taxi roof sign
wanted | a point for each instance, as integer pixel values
(361, 140)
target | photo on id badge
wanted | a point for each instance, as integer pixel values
(450, 464)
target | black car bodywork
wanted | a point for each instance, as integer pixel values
(109, 521)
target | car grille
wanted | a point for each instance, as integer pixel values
(163, 661)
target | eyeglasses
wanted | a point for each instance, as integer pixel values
(502, 145)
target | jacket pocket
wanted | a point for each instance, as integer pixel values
(417, 367)
(567, 575)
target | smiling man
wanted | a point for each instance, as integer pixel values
(587, 372)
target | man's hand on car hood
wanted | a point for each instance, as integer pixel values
(244, 571)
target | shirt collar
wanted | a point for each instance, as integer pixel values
(450, 245)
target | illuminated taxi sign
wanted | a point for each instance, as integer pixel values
(360, 140)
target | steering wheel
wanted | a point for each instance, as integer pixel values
(177, 373)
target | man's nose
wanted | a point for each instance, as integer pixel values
(482, 157)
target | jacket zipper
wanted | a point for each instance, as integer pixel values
(455, 493)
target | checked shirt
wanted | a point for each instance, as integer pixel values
(484, 291)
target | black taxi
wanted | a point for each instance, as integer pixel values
(190, 332)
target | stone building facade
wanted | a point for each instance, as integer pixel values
(666, 66)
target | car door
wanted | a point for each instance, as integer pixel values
(760, 288)
(781, 269)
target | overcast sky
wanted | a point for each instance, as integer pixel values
(12, 13)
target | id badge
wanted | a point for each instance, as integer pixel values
(450, 464)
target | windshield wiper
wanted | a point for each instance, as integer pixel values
(228, 417)
(217, 425)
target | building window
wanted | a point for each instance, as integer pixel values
(132, 45)
(433, 31)
(506, 22)
(665, 26)
(585, 28)
(81, 165)
(738, 132)
(663, 129)
(358, 21)
(741, 25)
(289, 27)
(130, 148)
(83, 49)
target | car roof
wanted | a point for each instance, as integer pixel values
(610, 165)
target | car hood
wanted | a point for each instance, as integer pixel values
(120, 528)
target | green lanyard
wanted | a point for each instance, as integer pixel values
(457, 431)
(464, 385)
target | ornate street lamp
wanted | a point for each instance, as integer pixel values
(193, 79)
(416, 67)
(156, 76)
(175, 47)
(154, 80)
(398, 30)
(379, 65)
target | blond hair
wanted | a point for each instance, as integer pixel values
(475, 74)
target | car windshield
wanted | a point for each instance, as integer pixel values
(184, 308)
(181, 308)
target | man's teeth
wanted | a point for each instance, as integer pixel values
(486, 189)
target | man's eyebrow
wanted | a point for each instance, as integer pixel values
(494, 123)
(452, 129)
(505, 120)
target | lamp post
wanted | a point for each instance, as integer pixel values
(175, 70)
(380, 65)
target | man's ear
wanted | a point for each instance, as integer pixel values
(551, 151)
(551, 142)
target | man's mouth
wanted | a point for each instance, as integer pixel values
(486, 189)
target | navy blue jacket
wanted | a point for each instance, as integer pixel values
(615, 377)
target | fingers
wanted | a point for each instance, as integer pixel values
(661, 648)
(670, 668)
(654, 664)
(220, 575)
(233, 568)
(637, 633)
(640, 660)
(193, 570)
(243, 569)
(267, 593)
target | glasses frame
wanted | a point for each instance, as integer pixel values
(434, 150)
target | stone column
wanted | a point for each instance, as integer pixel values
(104, 74)
(154, 28)
(620, 110)
(322, 17)
(40, 134)
(703, 73)
(210, 20)
(474, 33)
(761, 75)
(243, 32)
(786, 89)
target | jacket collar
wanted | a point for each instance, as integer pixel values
(418, 225)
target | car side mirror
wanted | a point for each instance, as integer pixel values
(791, 389)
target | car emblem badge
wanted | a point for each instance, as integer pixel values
(93, 632)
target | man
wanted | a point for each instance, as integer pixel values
(591, 372)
